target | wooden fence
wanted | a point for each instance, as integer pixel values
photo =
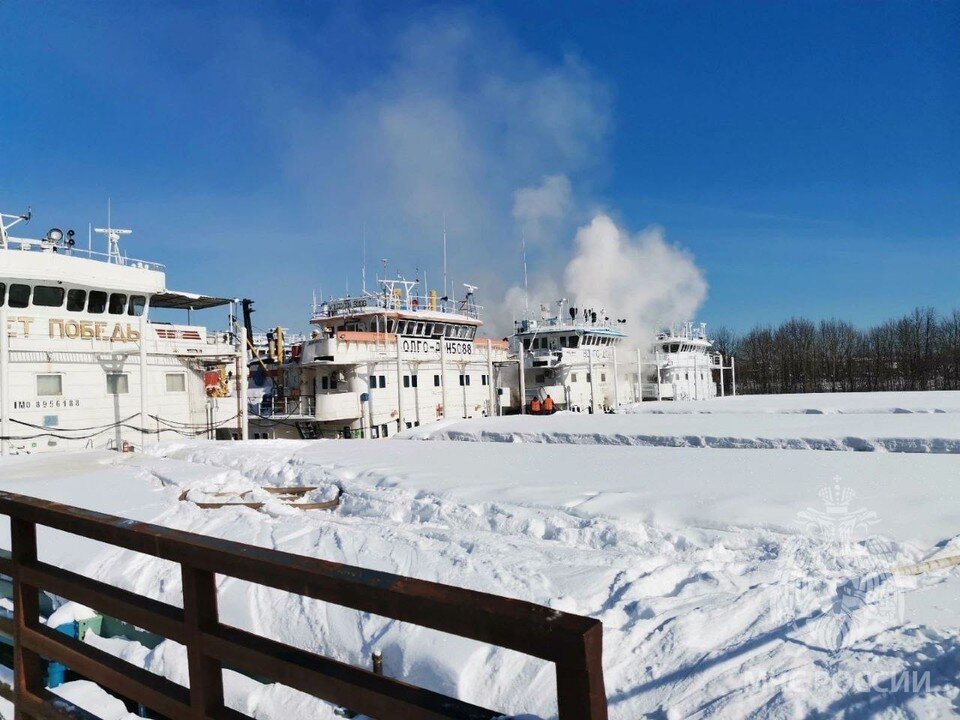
(572, 642)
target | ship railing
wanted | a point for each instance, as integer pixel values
(57, 249)
(411, 303)
(572, 642)
(288, 406)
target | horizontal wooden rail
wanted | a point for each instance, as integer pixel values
(572, 642)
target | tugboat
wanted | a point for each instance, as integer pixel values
(83, 362)
(381, 363)
(683, 367)
(572, 358)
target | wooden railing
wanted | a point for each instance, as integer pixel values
(572, 642)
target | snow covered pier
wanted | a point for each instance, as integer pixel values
(570, 641)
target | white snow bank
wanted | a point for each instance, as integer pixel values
(69, 612)
(94, 699)
(940, 401)
(714, 600)
(729, 423)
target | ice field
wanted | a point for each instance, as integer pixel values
(775, 573)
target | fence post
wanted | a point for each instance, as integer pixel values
(27, 668)
(200, 615)
(580, 691)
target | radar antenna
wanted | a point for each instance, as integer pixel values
(113, 238)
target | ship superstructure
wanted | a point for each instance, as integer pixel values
(83, 363)
(572, 357)
(683, 366)
(383, 362)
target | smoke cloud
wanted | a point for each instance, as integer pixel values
(641, 278)
(540, 209)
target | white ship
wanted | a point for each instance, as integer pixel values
(580, 360)
(572, 358)
(381, 363)
(683, 366)
(82, 364)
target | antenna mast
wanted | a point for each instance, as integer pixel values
(113, 238)
(445, 255)
(526, 287)
(363, 269)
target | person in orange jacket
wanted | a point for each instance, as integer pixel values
(535, 406)
(548, 408)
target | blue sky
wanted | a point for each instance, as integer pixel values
(806, 155)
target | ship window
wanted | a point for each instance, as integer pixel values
(48, 296)
(98, 301)
(324, 383)
(419, 330)
(573, 377)
(118, 383)
(464, 380)
(406, 381)
(49, 385)
(603, 377)
(484, 380)
(540, 379)
(76, 300)
(526, 343)
(563, 341)
(19, 296)
(176, 383)
(575, 341)
(391, 325)
(472, 332)
(383, 381)
(137, 303)
(436, 381)
(118, 303)
(383, 431)
(3, 293)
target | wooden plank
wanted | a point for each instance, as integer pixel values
(200, 616)
(157, 617)
(27, 669)
(6, 627)
(360, 690)
(142, 686)
(580, 688)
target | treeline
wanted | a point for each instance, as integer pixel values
(919, 351)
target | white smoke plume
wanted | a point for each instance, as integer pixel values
(539, 210)
(641, 278)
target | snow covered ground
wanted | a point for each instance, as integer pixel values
(892, 422)
(734, 582)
